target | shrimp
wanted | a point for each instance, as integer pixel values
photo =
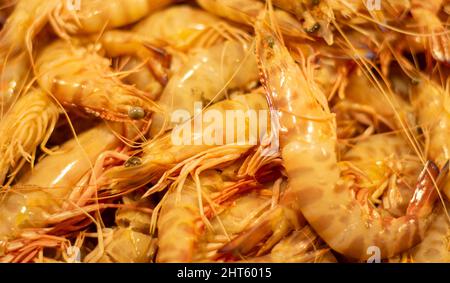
(385, 168)
(370, 108)
(80, 78)
(185, 27)
(246, 12)
(438, 36)
(227, 207)
(27, 125)
(94, 16)
(300, 246)
(435, 246)
(309, 136)
(67, 17)
(169, 153)
(178, 235)
(22, 26)
(178, 29)
(117, 43)
(206, 78)
(42, 191)
(430, 102)
(124, 245)
(233, 218)
(129, 241)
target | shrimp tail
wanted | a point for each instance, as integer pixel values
(425, 193)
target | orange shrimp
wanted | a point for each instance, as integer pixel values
(308, 145)
(80, 78)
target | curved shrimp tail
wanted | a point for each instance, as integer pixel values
(119, 43)
(426, 193)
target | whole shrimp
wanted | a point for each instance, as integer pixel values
(28, 124)
(386, 179)
(42, 191)
(81, 79)
(308, 146)
(169, 153)
(205, 78)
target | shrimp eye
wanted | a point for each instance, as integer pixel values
(270, 41)
(133, 161)
(136, 113)
(314, 28)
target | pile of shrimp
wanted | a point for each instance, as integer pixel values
(351, 166)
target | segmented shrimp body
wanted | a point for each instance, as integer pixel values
(384, 169)
(123, 245)
(28, 124)
(178, 225)
(68, 18)
(430, 102)
(246, 12)
(94, 16)
(205, 78)
(185, 27)
(82, 79)
(371, 108)
(309, 139)
(23, 25)
(13, 79)
(300, 246)
(435, 246)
